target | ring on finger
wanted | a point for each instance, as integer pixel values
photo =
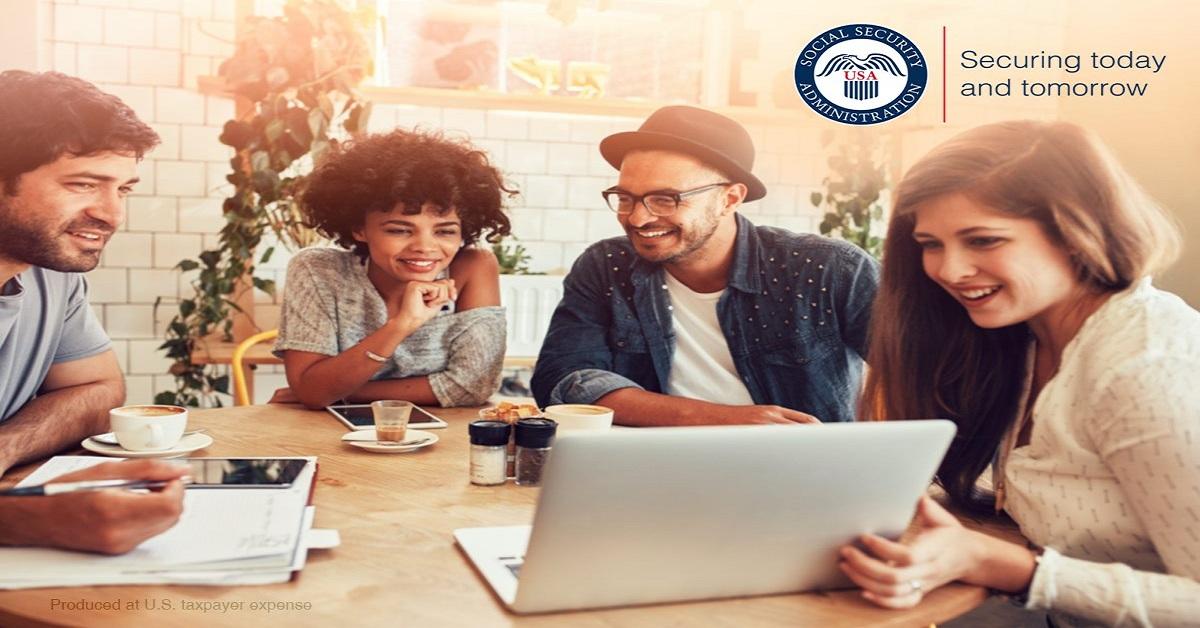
(914, 585)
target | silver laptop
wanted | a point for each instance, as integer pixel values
(668, 514)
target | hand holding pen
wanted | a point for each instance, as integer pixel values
(85, 518)
(58, 488)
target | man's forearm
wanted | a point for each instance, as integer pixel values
(56, 420)
(640, 408)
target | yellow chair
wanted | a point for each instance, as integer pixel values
(240, 396)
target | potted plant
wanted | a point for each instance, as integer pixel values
(295, 77)
(853, 190)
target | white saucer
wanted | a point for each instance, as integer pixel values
(366, 439)
(186, 445)
(109, 438)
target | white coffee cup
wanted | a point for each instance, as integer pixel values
(578, 416)
(148, 428)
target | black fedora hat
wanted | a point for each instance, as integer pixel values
(710, 137)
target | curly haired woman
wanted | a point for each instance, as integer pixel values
(405, 309)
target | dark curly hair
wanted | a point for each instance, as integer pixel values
(46, 115)
(376, 172)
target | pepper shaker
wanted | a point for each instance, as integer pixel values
(534, 438)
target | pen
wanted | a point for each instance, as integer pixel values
(58, 488)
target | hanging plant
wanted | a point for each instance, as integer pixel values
(298, 72)
(857, 179)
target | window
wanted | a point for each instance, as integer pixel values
(654, 50)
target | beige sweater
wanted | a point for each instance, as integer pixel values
(1110, 481)
(329, 305)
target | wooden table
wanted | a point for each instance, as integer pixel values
(398, 564)
(213, 350)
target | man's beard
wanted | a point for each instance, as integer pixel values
(702, 233)
(39, 245)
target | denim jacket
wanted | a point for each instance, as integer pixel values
(794, 314)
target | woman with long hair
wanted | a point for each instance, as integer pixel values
(1016, 301)
(404, 307)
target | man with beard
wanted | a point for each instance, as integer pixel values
(68, 158)
(697, 316)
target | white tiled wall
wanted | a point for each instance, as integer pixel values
(149, 53)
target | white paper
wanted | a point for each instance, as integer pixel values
(60, 465)
(237, 573)
(225, 536)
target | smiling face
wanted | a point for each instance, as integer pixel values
(62, 214)
(408, 247)
(675, 238)
(1003, 269)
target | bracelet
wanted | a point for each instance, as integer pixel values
(376, 356)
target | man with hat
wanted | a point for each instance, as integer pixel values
(697, 316)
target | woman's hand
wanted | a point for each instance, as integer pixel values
(898, 575)
(422, 300)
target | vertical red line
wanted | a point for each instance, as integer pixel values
(943, 74)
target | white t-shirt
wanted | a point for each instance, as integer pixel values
(702, 367)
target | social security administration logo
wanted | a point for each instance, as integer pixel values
(861, 74)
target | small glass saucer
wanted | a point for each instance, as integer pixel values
(369, 440)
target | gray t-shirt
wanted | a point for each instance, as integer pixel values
(329, 305)
(44, 320)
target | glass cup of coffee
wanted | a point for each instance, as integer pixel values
(148, 427)
(391, 419)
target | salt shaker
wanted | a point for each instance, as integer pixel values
(489, 452)
(534, 438)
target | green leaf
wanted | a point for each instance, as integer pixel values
(266, 183)
(365, 117)
(357, 121)
(297, 126)
(266, 256)
(815, 198)
(317, 122)
(187, 265)
(210, 258)
(260, 160)
(266, 285)
(166, 398)
(275, 129)
(221, 384)
(236, 134)
(326, 105)
(318, 149)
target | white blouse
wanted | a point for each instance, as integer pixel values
(1109, 483)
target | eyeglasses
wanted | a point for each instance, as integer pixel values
(658, 203)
